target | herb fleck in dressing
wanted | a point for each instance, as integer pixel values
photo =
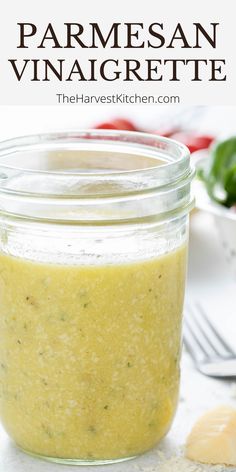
(90, 359)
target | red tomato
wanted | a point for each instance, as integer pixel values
(165, 132)
(193, 141)
(105, 125)
(124, 124)
(118, 123)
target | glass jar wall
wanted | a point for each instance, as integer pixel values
(93, 243)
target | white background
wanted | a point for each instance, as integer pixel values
(16, 120)
(209, 279)
(105, 12)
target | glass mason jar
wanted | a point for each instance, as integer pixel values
(93, 243)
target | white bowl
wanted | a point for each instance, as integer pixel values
(225, 219)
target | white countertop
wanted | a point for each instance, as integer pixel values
(210, 282)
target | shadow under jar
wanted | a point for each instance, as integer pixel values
(93, 242)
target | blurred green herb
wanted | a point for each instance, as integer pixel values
(220, 174)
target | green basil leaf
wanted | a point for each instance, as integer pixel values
(220, 174)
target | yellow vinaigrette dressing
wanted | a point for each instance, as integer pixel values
(93, 244)
(90, 354)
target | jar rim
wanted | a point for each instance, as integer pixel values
(14, 145)
(68, 189)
